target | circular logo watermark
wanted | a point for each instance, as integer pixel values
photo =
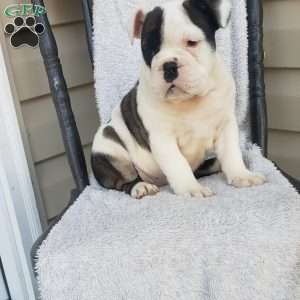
(24, 30)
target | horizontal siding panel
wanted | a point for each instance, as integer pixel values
(30, 76)
(59, 11)
(42, 125)
(56, 182)
(283, 113)
(282, 33)
(282, 48)
(281, 14)
(284, 149)
(283, 82)
(283, 98)
(64, 11)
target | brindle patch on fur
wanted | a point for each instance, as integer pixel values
(110, 133)
(133, 120)
(108, 176)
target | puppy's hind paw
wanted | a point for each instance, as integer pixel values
(143, 189)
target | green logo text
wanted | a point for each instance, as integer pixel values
(24, 10)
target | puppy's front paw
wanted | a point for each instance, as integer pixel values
(143, 189)
(203, 191)
(248, 179)
(197, 190)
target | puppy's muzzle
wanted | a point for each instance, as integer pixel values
(170, 71)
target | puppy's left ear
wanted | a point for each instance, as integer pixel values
(220, 10)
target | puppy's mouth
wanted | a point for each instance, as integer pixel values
(173, 89)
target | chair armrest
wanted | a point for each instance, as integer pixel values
(62, 103)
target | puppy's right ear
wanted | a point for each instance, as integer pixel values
(138, 21)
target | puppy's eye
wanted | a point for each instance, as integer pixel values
(192, 44)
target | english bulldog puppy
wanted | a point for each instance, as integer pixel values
(181, 109)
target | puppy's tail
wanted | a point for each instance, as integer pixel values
(209, 167)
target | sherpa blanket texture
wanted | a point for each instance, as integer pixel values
(242, 244)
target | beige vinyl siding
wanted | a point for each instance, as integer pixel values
(41, 125)
(282, 63)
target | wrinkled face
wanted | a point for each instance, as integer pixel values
(178, 45)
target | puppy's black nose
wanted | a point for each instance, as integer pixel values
(170, 71)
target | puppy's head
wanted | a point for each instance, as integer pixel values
(178, 44)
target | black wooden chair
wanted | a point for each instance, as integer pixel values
(62, 102)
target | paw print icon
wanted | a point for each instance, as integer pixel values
(24, 32)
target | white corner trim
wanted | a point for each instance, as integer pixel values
(19, 219)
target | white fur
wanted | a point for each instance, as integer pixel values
(194, 118)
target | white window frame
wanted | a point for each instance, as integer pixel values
(19, 219)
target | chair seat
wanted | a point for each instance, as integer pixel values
(240, 244)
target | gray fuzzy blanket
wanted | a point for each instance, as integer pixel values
(241, 244)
